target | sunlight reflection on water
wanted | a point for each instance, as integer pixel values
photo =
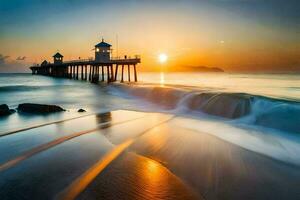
(162, 79)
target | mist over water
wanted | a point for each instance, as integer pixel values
(263, 110)
(69, 94)
(282, 86)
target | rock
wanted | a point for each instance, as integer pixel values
(39, 108)
(81, 110)
(12, 111)
(4, 110)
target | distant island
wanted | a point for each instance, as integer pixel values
(196, 69)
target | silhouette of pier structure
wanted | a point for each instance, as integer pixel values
(101, 68)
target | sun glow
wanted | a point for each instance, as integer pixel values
(162, 58)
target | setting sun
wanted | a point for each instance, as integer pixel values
(162, 58)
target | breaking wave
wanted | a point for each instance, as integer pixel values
(280, 114)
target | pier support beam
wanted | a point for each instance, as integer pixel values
(112, 77)
(116, 73)
(85, 76)
(135, 73)
(90, 74)
(108, 73)
(98, 72)
(128, 66)
(93, 73)
(122, 75)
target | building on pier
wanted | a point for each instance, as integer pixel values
(103, 52)
(44, 63)
(58, 59)
(101, 68)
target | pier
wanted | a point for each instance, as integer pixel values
(102, 68)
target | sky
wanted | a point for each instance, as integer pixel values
(235, 35)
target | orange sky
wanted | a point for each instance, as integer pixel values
(191, 34)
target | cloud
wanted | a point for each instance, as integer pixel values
(12, 65)
(21, 58)
(3, 59)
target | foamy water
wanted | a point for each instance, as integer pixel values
(258, 112)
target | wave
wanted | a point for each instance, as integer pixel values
(18, 88)
(21, 88)
(280, 114)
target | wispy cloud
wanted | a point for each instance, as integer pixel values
(21, 58)
(3, 59)
(12, 65)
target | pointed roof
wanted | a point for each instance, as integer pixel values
(45, 62)
(102, 44)
(58, 55)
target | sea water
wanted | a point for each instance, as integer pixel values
(260, 112)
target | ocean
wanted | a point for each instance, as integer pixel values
(259, 112)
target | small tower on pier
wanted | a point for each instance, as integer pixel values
(102, 52)
(58, 58)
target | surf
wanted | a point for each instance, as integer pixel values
(264, 111)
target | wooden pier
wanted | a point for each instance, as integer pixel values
(102, 68)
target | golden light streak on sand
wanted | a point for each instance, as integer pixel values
(55, 142)
(41, 125)
(83, 181)
(41, 148)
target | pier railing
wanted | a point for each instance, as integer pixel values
(128, 59)
(79, 60)
(117, 60)
(136, 58)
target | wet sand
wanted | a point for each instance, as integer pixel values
(135, 155)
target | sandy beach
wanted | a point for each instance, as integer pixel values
(136, 155)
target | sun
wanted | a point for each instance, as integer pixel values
(162, 58)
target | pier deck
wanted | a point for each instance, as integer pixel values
(89, 69)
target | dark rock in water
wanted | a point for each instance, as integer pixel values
(12, 111)
(81, 110)
(39, 108)
(4, 110)
(224, 105)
